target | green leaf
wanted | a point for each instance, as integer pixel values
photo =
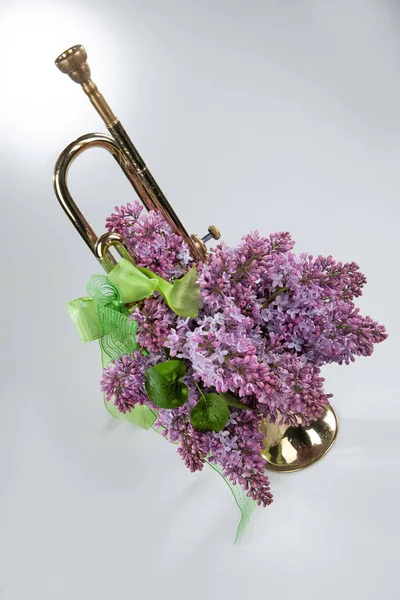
(164, 384)
(233, 401)
(211, 413)
(140, 415)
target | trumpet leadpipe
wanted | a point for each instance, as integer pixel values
(73, 62)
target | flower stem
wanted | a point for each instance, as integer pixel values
(274, 295)
(197, 385)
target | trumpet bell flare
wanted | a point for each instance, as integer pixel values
(289, 448)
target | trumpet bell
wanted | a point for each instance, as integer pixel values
(288, 448)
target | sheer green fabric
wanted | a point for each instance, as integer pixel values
(83, 314)
(245, 504)
(132, 284)
(104, 315)
(183, 296)
(118, 331)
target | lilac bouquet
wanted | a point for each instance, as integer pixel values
(267, 321)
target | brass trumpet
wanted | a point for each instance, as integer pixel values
(286, 448)
(73, 62)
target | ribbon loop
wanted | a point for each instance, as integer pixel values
(104, 314)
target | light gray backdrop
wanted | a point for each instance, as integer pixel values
(270, 115)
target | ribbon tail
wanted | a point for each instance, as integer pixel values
(245, 504)
(83, 313)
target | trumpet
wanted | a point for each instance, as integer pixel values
(286, 448)
(73, 62)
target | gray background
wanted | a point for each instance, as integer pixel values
(270, 115)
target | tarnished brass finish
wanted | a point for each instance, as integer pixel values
(213, 234)
(289, 448)
(198, 242)
(73, 62)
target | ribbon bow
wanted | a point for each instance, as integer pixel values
(103, 314)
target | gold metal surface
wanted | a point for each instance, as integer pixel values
(73, 62)
(104, 243)
(213, 233)
(65, 160)
(198, 242)
(289, 448)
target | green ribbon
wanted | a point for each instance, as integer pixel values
(183, 296)
(135, 283)
(83, 313)
(245, 504)
(104, 315)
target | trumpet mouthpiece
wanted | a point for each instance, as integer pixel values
(73, 62)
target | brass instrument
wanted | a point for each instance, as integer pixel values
(73, 62)
(286, 448)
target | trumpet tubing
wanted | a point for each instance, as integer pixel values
(73, 62)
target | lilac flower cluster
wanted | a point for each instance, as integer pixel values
(154, 320)
(268, 320)
(123, 381)
(151, 241)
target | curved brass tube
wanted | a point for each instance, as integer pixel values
(73, 62)
(103, 245)
(65, 160)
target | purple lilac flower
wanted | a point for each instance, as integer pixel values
(151, 240)
(193, 445)
(223, 355)
(238, 450)
(269, 320)
(299, 393)
(155, 320)
(123, 381)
